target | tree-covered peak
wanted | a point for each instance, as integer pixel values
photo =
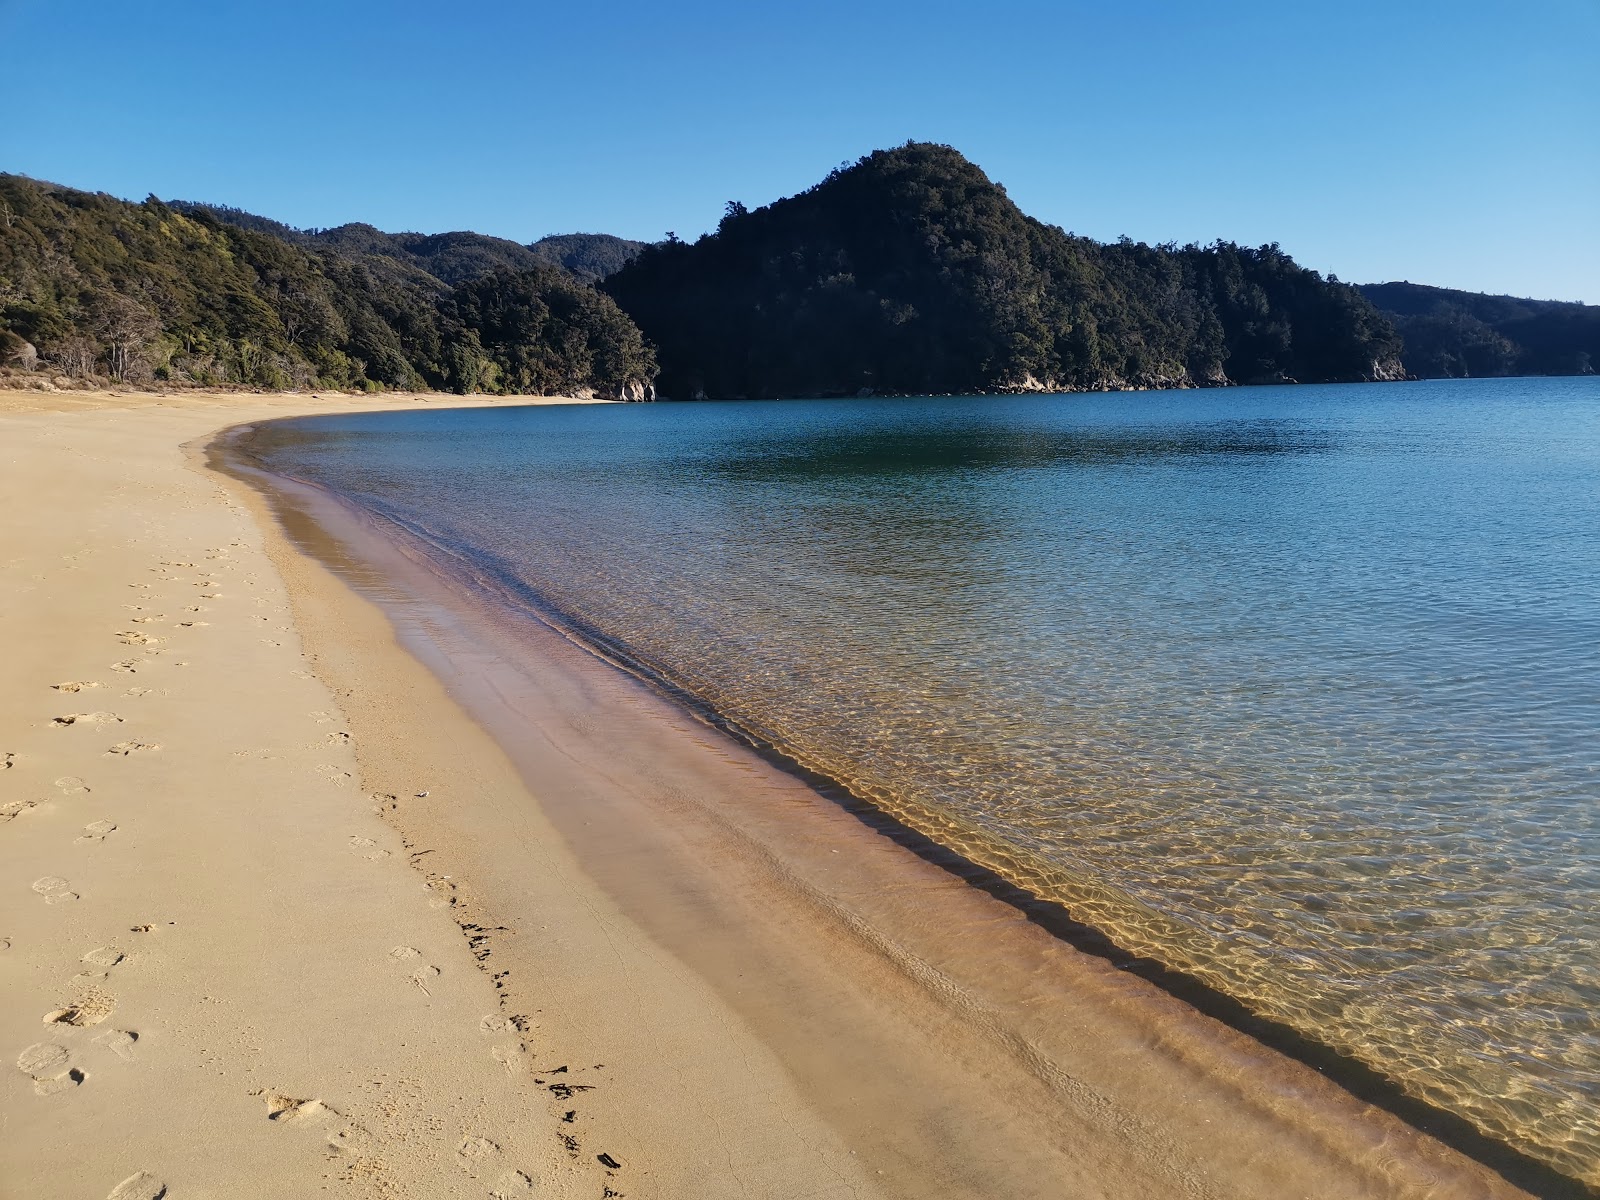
(912, 271)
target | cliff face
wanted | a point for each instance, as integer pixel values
(912, 272)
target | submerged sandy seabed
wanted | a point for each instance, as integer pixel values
(279, 917)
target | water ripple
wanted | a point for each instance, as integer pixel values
(1297, 690)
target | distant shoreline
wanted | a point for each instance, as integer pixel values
(99, 393)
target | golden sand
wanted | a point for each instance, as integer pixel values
(280, 918)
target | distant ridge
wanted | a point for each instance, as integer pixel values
(452, 258)
(1457, 334)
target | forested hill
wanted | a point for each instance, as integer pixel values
(450, 257)
(96, 286)
(908, 272)
(912, 272)
(1459, 334)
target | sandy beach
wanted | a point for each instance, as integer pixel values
(364, 890)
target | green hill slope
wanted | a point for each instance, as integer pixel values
(191, 294)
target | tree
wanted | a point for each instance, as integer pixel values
(124, 329)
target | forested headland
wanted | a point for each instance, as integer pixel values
(1448, 334)
(909, 271)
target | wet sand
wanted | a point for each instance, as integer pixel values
(440, 903)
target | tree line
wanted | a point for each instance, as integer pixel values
(191, 294)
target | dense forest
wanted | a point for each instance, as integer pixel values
(453, 258)
(1450, 334)
(909, 271)
(186, 293)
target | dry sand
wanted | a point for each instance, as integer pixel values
(280, 918)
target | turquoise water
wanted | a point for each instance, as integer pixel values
(1294, 689)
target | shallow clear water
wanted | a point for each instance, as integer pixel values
(1294, 689)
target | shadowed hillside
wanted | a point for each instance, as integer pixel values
(1453, 334)
(912, 272)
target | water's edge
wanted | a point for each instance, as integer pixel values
(230, 453)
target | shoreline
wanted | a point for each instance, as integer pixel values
(344, 533)
(762, 993)
(493, 590)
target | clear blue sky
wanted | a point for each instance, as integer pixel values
(1453, 143)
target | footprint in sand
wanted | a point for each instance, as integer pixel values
(442, 892)
(93, 1007)
(94, 720)
(50, 1067)
(511, 1186)
(126, 748)
(119, 1041)
(72, 785)
(475, 1154)
(8, 762)
(143, 1186)
(514, 1057)
(95, 831)
(421, 974)
(367, 848)
(15, 808)
(132, 637)
(103, 957)
(340, 1133)
(54, 889)
(128, 666)
(74, 685)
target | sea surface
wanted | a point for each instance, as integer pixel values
(1294, 689)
